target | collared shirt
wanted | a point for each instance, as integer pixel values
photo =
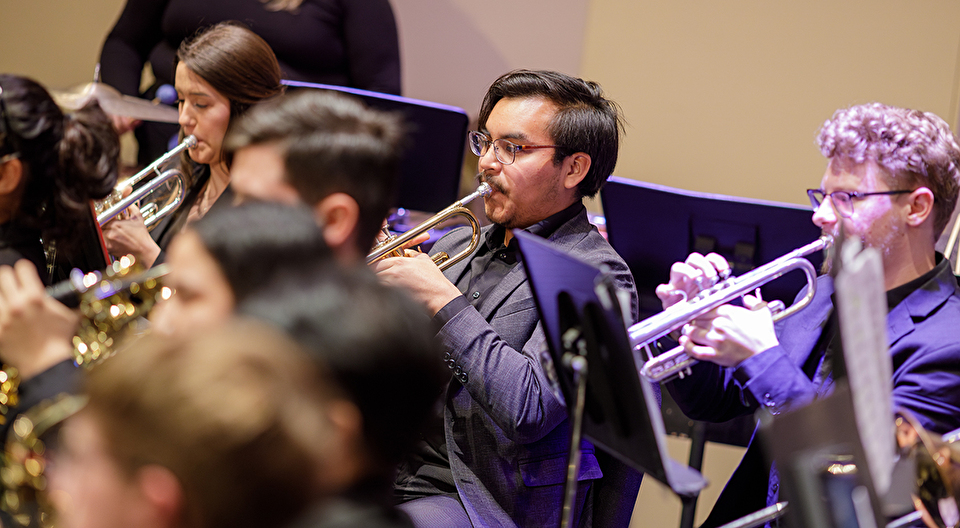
(493, 260)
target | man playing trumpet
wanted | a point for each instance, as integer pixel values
(545, 140)
(892, 182)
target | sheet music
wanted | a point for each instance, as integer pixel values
(862, 310)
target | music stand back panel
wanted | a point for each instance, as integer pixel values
(653, 226)
(435, 143)
(621, 411)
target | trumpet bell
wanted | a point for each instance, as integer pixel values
(394, 245)
(159, 196)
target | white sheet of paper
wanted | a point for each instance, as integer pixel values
(862, 309)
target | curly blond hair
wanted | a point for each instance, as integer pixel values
(916, 148)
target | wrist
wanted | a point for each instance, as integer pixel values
(49, 354)
(150, 254)
(441, 300)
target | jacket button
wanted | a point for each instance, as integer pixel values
(476, 295)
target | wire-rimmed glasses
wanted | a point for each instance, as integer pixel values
(504, 150)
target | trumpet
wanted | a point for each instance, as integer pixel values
(675, 362)
(111, 303)
(393, 245)
(166, 190)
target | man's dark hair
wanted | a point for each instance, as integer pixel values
(377, 343)
(331, 143)
(255, 241)
(585, 121)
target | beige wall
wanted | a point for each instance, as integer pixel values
(722, 97)
(727, 96)
(56, 42)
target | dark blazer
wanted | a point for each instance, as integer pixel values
(924, 347)
(506, 429)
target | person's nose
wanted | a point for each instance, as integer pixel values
(489, 161)
(185, 117)
(825, 216)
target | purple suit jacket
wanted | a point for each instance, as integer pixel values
(922, 333)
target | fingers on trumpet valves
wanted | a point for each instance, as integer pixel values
(671, 294)
(696, 274)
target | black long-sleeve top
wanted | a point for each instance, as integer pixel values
(342, 42)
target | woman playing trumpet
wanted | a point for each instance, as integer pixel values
(219, 75)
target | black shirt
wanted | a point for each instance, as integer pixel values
(427, 471)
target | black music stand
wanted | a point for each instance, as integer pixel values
(435, 142)
(652, 226)
(621, 412)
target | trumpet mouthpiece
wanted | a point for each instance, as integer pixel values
(484, 189)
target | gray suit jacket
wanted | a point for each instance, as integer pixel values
(506, 429)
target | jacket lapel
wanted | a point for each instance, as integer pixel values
(920, 304)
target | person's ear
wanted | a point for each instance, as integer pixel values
(920, 206)
(163, 494)
(575, 166)
(338, 214)
(11, 172)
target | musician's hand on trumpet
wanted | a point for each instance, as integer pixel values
(728, 334)
(690, 277)
(126, 234)
(410, 247)
(420, 277)
(35, 329)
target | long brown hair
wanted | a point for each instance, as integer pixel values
(237, 63)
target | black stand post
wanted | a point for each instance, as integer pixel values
(698, 442)
(577, 363)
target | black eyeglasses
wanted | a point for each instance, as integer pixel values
(843, 200)
(505, 151)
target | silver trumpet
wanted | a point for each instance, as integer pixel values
(393, 245)
(161, 195)
(675, 362)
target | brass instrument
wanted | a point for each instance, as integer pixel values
(394, 244)
(161, 195)
(937, 494)
(111, 303)
(676, 362)
(26, 456)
